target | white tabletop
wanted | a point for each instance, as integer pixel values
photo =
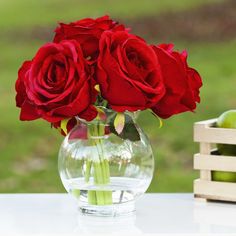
(57, 214)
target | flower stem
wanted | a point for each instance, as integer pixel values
(92, 197)
(100, 166)
(87, 170)
(91, 193)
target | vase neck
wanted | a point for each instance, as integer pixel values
(106, 116)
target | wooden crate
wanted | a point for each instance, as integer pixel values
(207, 160)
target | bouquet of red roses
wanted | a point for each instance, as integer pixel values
(92, 61)
(97, 63)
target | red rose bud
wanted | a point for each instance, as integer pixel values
(56, 85)
(87, 32)
(128, 72)
(182, 83)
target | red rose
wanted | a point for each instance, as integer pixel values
(56, 84)
(87, 32)
(182, 82)
(128, 72)
(28, 110)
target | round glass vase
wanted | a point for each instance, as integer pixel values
(105, 167)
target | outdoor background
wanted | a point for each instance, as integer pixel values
(206, 28)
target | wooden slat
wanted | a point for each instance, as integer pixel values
(215, 190)
(205, 123)
(214, 162)
(205, 148)
(204, 132)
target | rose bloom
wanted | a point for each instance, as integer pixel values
(56, 84)
(182, 83)
(128, 72)
(87, 32)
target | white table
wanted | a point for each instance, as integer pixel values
(56, 214)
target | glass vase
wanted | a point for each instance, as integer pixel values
(104, 168)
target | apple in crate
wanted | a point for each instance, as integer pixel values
(223, 176)
(226, 120)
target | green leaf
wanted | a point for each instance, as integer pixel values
(64, 125)
(97, 88)
(129, 131)
(119, 122)
(160, 120)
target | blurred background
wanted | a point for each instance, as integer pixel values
(206, 28)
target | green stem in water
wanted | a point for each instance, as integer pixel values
(105, 167)
(87, 170)
(91, 193)
(100, 168)
(98, 178)
(92, 199)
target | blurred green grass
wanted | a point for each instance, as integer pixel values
(25, 13)
(29, 149)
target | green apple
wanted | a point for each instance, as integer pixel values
(226, 120)
(223, 176)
